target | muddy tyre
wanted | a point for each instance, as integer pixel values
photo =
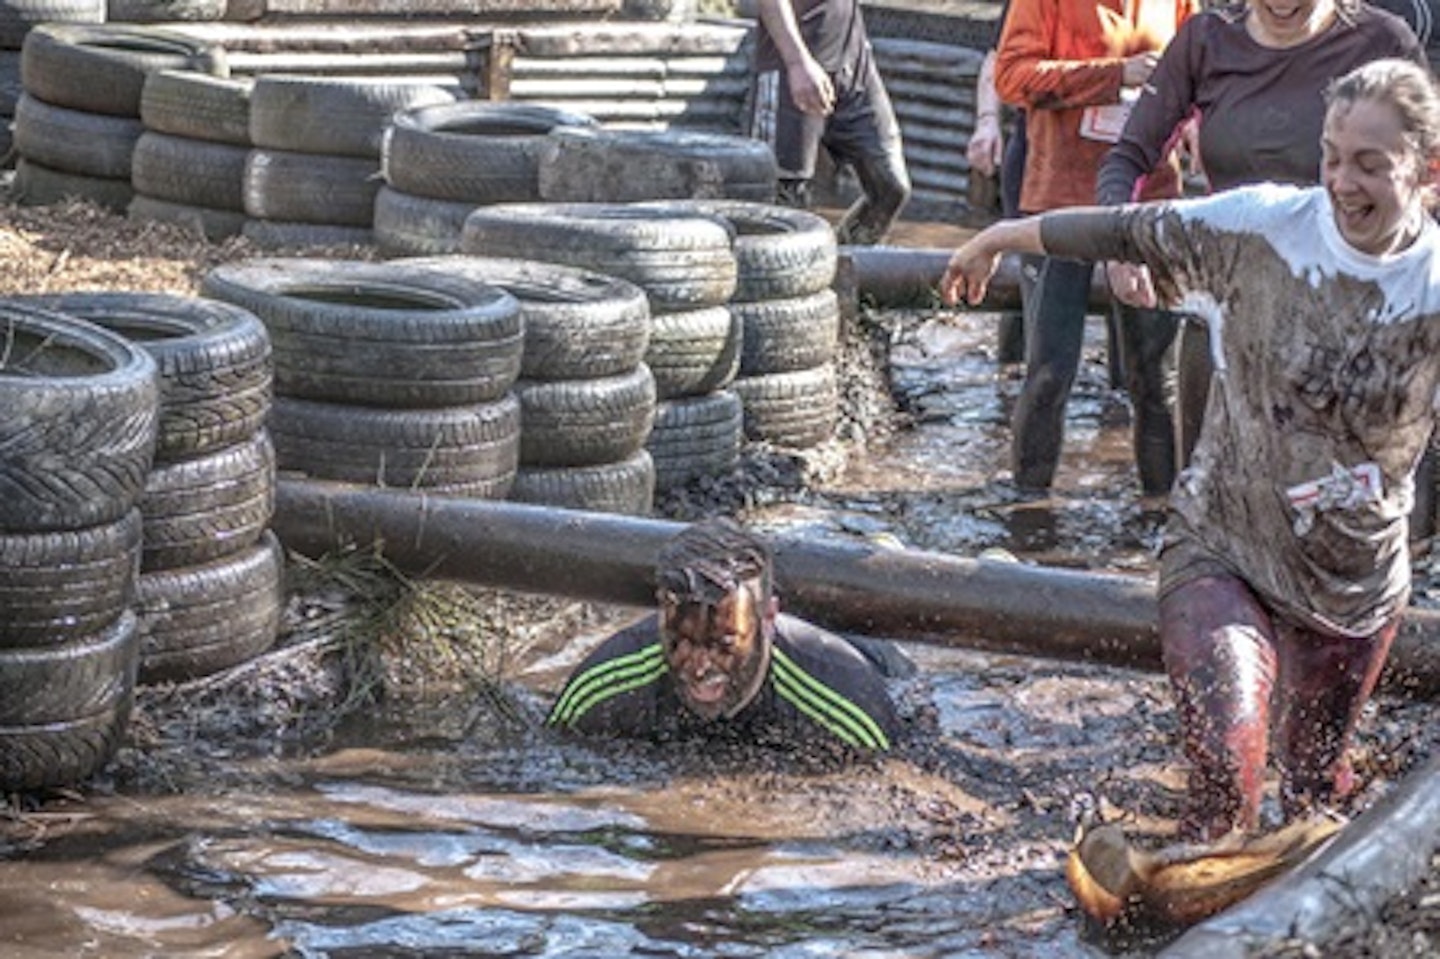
(78, 433)
(58, 587)
(76, 141)
(473, 152)
(798, 409)
(585, 422)
(606, 165)
(199, 510)
(695, 436)
(694, 352)
(213, 225)
(336, 116)
(183, 103)
(185, 170)
(407, 225)
(626, 487)
(202, 619)
(19, 17)
(39, 185)
(578, 324)
(63, 753)
(782, 336)
(379, 334)
(297, 187)
(213, 359)
(164, 11)
(59, 682)
(466, 450)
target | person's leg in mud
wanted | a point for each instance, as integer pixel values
(864, 132)
(1218, 646)
(1324, 683)
(1054, 334)
(1145, 337)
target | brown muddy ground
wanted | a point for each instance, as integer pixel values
(378, 785)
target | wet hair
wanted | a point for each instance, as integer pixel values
(711, 559)
(1404, 85)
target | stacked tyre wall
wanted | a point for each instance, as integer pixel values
(17, 18)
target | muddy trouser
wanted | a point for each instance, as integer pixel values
(1055, 310)
(1010, 342)
(1238, 673)
(861, 131)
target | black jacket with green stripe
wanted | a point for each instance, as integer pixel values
(819, 687)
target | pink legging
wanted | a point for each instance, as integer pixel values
(1237, 674)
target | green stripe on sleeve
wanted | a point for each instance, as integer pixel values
(605, 679)
(830, 709)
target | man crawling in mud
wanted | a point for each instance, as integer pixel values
(718, 659)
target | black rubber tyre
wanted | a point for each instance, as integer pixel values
(202, 619)
(694, 352)
(19, 17)
(199, 510)
(336, 116)
(585, 422)
(466, 450)
(798, 409)
(193, 172)
(626, 487)
(309, 188)
(695, 436)
(59, 587)
(578, 324)
(682, 262)
(75, 141)
(381, 334)
(101, 68)
(66, 752)
(608, 165)
(39, 185)
(195, 105)
(78, 432)
(779, 252)
(214, 362)
(790, 334)
(64, 681)
(407, 225)
(164, 11)
(212, 225)
(282, 235)
(473, 151)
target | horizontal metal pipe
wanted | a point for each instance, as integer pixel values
(904, 594)
(901, 276)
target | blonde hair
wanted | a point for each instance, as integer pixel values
(1404, 85)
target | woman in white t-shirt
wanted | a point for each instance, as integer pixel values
(1285, 568)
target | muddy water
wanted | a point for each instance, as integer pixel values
(446, 831)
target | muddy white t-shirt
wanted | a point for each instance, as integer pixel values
(1327, 362)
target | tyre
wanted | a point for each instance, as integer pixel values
(75, 141)
(407, 225)
(212, 225)
(796, 333)
(578, 324)
(163, 11)
(695, 436)
(380, 334)
(308, 188)
(19, 17)
(585, 422)
(466, 450)
(682, 262)
(280, 235)
(606, 165)
(336, 116)
(183, 103)
(798, 409)
(58, 587)
(59, 682)
(472, 151)
(213, 359)
(39, 185)
(202, 619)
(66, 752)
(626, 487)
(81, 412)
(192, 172)
(694, 352)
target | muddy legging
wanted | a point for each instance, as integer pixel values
(1232, 665)
(1055, 311)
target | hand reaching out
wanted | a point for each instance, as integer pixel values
(969, 272)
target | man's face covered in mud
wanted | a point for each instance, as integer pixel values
(717, 651)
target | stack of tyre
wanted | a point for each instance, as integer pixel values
(76, 443)
(313, 173)
(189, 164)
(210, 590)
(386, 374)
(77, 122)
(17, 18)
(685, 265)
(585, 338)
(440, 162)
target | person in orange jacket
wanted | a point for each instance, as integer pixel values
(1074, 65)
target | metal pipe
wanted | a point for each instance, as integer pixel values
(905, 594)
(896, 276)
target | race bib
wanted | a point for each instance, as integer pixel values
(1104, 123)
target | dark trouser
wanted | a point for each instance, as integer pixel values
(1236, 672)
(1054, 334)
(1010, 345)
(861, 131)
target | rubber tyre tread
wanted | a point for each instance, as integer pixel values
(202, 619)
(472, 151)
(164, 11)
(75, 141)
(211, 225)
(695, 351)
(282, 235)
(626, 487)
(19, 17)
(781, 336)
(408, 225)
(213, 360)
(695, 437)
(798, 409)
(81, 414)
(585, 422)
(579, 324)
(65, 681)
(184, 103)
(60, 586)
(65, 753)
(185, 170)
(336, 116)
(310, 188)
(39, 185)
(379, 334)
(468, 450)
(199, 510)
